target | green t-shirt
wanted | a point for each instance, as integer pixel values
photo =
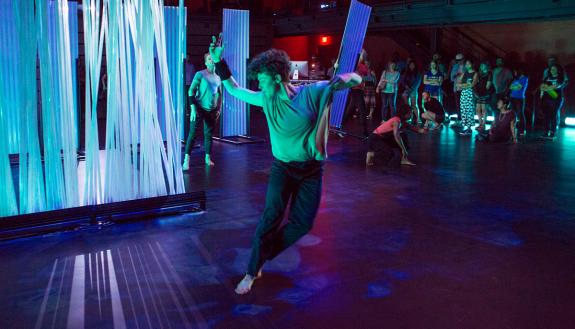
(299, 126)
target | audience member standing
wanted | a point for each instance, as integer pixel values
(411, 80)
(518, 88)
(432, 81)
(467, 82)
(388, 87)
(440, 65)
(369, 90)
(455, 75)
(552, 99)
(357, 95)
(483, 94)
(552, 60)
(502, 77)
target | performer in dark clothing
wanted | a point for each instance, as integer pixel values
(388, 144)
(206, 101)
(298, 122)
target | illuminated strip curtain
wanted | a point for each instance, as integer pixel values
(57, 70)
(32, 193)
(354, 34)
(135, 29)
(67, 103)
(53, 169)
(236, 31)
(175, 21)
(29, 28)
(95, 29)
(173, 167)
(8, 113)
(13, 54)
(120, 166)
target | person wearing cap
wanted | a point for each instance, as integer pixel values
(456, 73)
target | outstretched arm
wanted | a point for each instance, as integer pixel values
(244, 94)
(231, 85)
(345, 80)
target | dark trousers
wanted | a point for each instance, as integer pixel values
(300, 181)
(357, 100)
(518, 106)
(550, 108)
(209, 118)
(387, 105)
(386, 149)
(457, 108)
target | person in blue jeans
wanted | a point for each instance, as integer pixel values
(387, 86)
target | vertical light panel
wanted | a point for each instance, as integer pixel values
(95, 27)
(68, 115)
(53, 169)
(236, 32)
(351, 42)
(9, 57)
(175, 22)
(8, 114)
(57, 70)
(31, 176)
(173, 167)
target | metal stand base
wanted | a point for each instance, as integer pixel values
(26, 225)
(239, 140)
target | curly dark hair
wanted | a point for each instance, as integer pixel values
(272, 61)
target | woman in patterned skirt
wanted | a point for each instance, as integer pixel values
(467, 82)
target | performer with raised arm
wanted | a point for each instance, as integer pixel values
(298, 121)
(206, 101)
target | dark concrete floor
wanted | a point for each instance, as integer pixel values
(474, 236)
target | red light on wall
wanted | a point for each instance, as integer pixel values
(324, 40)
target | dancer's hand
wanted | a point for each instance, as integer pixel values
(216, 48)
(193, 113)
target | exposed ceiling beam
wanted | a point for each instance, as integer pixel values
(430, 13)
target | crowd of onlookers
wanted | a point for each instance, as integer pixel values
(474, 90)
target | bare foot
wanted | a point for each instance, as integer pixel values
(369, 158)
(209, 161)
(245, 285)
(405, 161)
(186, 165)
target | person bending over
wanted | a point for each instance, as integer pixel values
(206, 102)
(503, 129)
(298, 122)
(434, 112)
(387, 143)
